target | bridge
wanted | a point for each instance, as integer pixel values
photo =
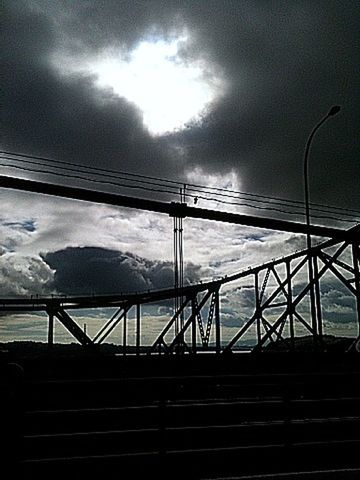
(175, 413)
(197, 318)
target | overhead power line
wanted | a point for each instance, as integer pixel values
(174, 182)
(81, 169)
(170, 187)
(158, 190)
(175, 208)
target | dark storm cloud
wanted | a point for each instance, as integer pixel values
(284, 63)
(103, 271)
(67, 118)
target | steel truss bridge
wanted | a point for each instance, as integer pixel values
(281, 287)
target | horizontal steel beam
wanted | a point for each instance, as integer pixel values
(104, 301)
(173, 209)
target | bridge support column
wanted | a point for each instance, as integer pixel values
(289, 305)
(124, 333)
(193, 326)
(217, 323)
(51, 330)
(257, 308)
(318, 300)
(313, 322)
(138, 328)
(356, 259)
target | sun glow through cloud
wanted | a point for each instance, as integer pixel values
(169, 91)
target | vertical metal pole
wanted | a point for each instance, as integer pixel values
(138, 329)
(312, 292)
(175, 270)
(181, 267)
(356, 258)
(51, 330)
(308, 236)
(193, 326)
(333, 111)
(217, 322)
(257, 306)
(289, 306)
(181, 261)
(318, 299)
(124, 334)
(181, 280)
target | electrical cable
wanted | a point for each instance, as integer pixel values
(147, 182)
(149, 189)
(179, 184)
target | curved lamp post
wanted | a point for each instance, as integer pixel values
(333, 111)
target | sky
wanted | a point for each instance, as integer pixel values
(208, 92)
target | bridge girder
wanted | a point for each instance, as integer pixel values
(282, 271)
(275, 286)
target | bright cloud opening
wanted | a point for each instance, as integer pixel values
(169, 91)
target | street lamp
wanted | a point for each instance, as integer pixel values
(333, 111)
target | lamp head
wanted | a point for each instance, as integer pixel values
(334, 110)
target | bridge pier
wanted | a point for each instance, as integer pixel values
(217, 323)
(138, 328)
(356, 260)
(51, 330)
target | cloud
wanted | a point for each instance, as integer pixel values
(231, 320)
(92, 270)
(286, 63)
(67, 118)
(15, 233)
(23, 276)
(23, 326)
(283, 64)
(338, 305)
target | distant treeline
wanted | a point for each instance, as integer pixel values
(20, 349)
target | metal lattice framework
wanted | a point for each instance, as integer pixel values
(281, 292)
(280, 288)
(290, 290)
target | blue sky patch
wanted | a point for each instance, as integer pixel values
(28, 225)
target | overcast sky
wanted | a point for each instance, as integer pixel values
(218, 93)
